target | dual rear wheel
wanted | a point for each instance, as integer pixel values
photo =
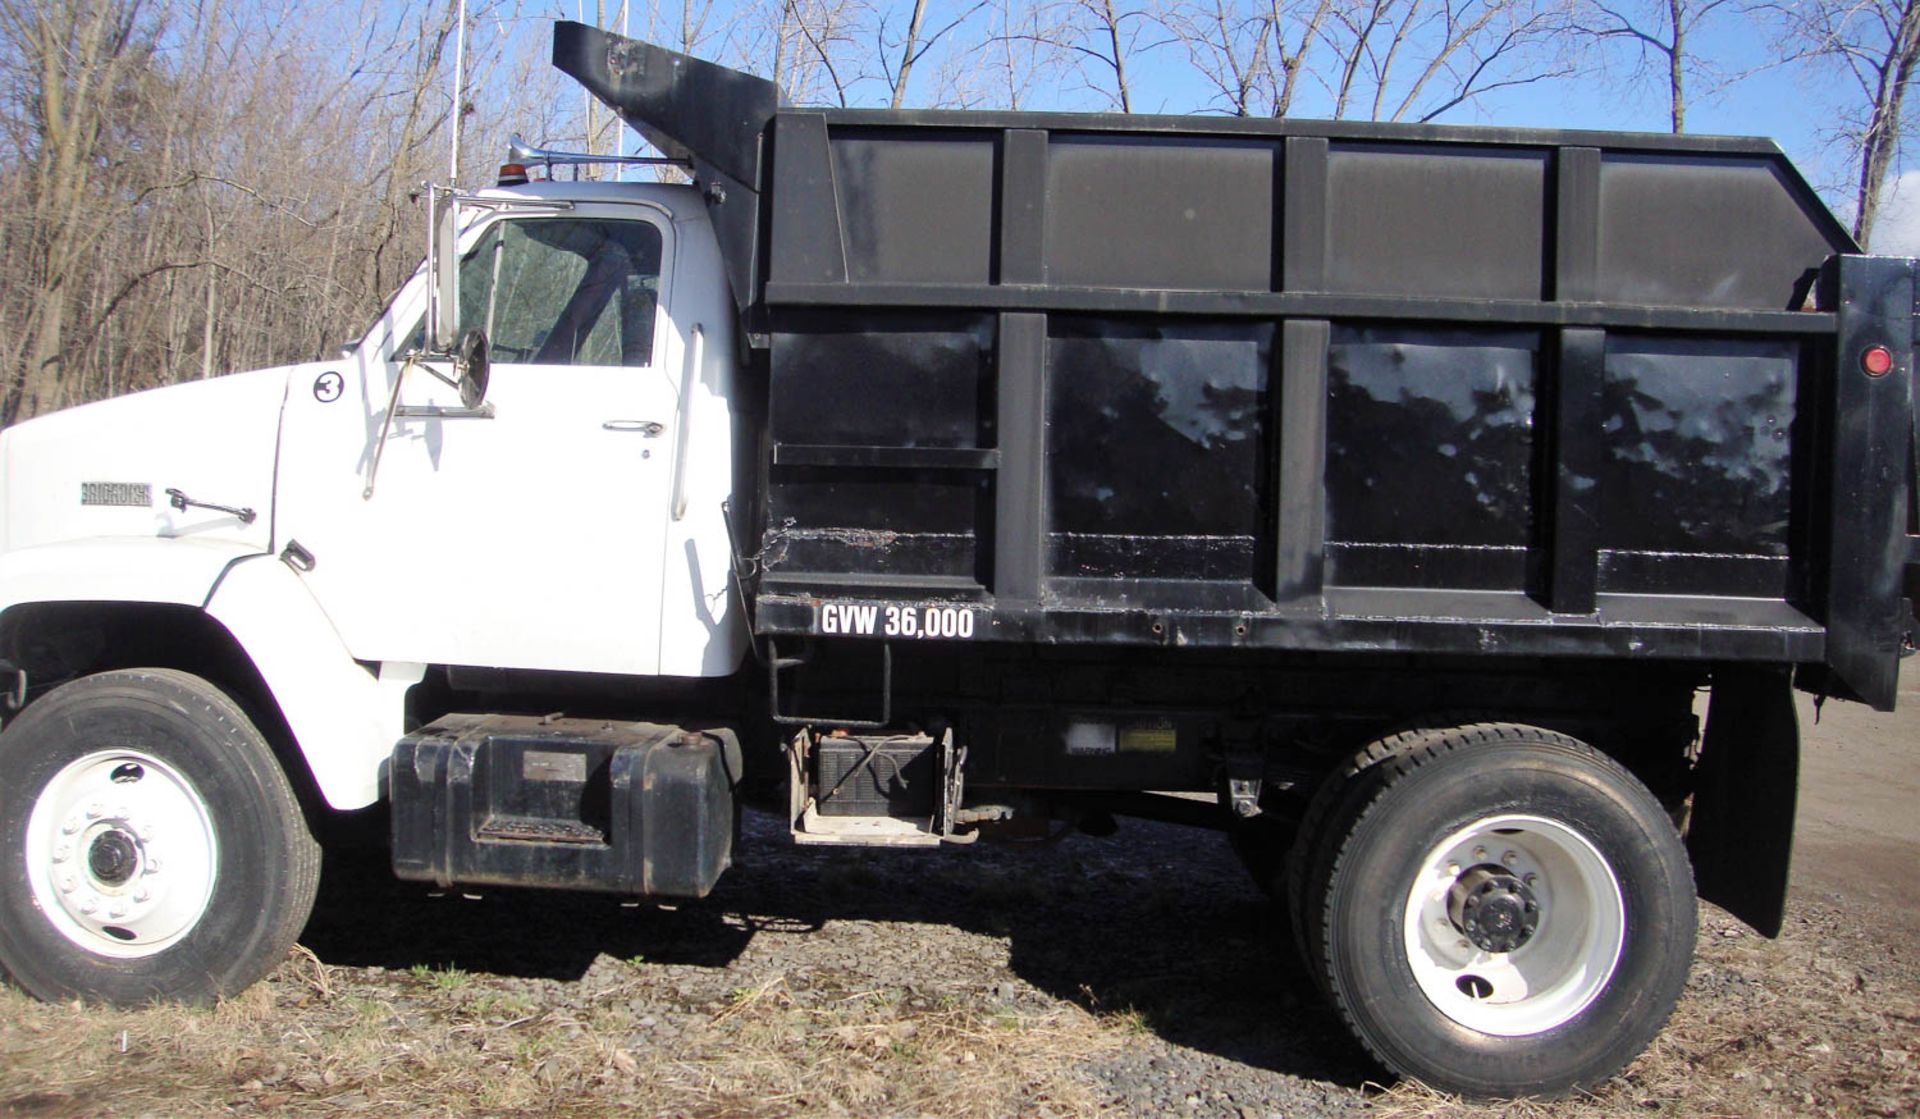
(1494, 909)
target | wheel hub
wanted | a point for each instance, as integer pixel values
(121, 854)
(113, 857)
(1493, 908)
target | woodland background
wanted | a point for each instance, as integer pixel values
(189, 187)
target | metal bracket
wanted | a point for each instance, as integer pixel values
(296, 556)
(953, 765)
(1243, 796)
(16, 696)
(776, 662)
(437, 412)
(1242, 775)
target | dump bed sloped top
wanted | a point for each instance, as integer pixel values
(1215, 204)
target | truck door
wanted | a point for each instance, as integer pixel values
(529, 535)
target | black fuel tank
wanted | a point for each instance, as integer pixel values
(582, 804)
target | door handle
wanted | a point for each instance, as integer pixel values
(648, 428)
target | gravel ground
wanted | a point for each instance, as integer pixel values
(1139, 974)
(1178, 970)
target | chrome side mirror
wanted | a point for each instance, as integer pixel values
(443, 264)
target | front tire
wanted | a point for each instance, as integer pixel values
(1501, 911)
(153, 848)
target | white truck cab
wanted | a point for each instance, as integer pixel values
(303, 542)
(587, 489)
(608, 413)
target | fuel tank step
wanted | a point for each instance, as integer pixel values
(644, 809)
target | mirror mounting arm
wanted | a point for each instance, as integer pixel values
(441, 412)
(397, 410)
(386, 425)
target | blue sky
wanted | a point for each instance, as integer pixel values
(1750, 93)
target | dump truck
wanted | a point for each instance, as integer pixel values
(1390, 500)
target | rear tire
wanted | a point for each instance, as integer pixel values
(1498, 911)
(150, 845)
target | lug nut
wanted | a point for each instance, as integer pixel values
(88, 905)
(71, 826)
(117, 911)
(63, 852)
(1479, 852)
(1453, 869)
(96, 810)
(141, 893)
(1530, 878)
(1510, 858)
(67, 884)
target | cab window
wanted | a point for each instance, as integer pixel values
(563, 291)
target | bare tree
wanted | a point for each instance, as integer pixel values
(1874, 45)
(206, 185)
(1227, 43)
(914, 46)
(1024, 50)
(1658, 36)
(809, 49)
(1252, 52)
(1419, 59)
(74, 74)
(1100, 37)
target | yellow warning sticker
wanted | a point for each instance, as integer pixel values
(1157, 737)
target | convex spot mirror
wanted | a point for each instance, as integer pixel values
(470, 364)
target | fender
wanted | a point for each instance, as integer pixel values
(345, 717)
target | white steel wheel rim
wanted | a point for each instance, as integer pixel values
(121, 854)
(1554, 974)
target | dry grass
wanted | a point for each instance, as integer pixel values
(1784, 1028)
(1808, 1025)
(315, 1041)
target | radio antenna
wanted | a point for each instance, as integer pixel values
(459, 76)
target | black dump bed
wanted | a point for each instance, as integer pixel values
(1193, 381)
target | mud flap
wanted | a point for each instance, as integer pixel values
(1745, 789)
